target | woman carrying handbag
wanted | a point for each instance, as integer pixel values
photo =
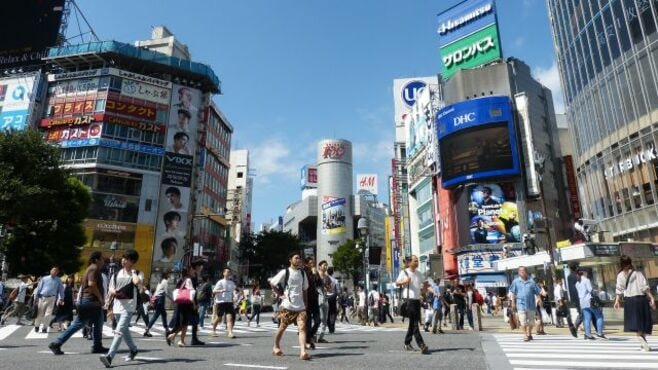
(185, 313)
(638, 301)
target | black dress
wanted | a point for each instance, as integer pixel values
(637, 314)
(65, 311)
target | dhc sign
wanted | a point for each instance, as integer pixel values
(465, 18)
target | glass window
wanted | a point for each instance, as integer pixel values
(594, 46)
(620, 23)
(636, 87)
(625, 95)
(104, 83)
(601, 41)
(100, 105)
(115, 83)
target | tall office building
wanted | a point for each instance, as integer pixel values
(608, 61)
(238, 205)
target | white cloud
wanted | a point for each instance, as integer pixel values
(272, 159)
(519, 42)
(550, 77)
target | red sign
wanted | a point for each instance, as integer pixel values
(70, 108)
(572, 187)
(130, 109)
(312, 175)
(333, 150)
(71, 121)
(74, 132)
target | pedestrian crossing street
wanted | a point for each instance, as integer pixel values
(27, 332)
(566, 352)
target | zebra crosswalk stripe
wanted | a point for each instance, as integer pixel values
(554, 352)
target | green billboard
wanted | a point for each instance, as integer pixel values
(472, 51)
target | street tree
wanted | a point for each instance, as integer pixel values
(268, 253)
(348, 259)
(41, 206)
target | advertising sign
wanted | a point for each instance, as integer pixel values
(16, 94)
(493, 214)
(130, 109)
(145, 91)
(477, 140)
(333, 150)
(175, 190)
(478, 262)
(135, 147)
(571, 186)
(464, 19)
(85, 119)
(405, 92)
(472, 51)
(309, 177)
(366, 182)
(77, 87)
(71, 108)
(333, 215)
(93, 131)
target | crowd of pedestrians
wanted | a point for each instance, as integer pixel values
(307, 295)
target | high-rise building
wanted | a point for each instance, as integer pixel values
(608, 62)
(240, 189)
(139, 128)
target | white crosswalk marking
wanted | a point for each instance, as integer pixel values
(8, 330)
(559, 352)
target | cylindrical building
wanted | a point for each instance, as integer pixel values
(608, 64)
(335, 220)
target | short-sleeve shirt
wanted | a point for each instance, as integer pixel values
(92, 273)
(375, 299)
(124, 278)
(411, 291)
(584, 288)
(436, 304)
(293, 299)
(525, 292)
(226, 287)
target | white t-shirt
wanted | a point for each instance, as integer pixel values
(413, 289)
(22, 292)
(558, 292)
(362, 299)
(224, 289)
(293, 296)
(121, 306)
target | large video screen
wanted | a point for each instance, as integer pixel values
(28, 28)
(478, 149)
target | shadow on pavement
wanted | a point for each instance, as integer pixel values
(143, 363)
(335, 354)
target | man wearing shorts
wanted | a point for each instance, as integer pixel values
(525, 296)
(223, 292)
(291, 285)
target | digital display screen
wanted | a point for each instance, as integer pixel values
(482, 148)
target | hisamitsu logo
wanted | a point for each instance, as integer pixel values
(457, 22)
(411, 91)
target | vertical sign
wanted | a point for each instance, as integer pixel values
(173, 221)
(571, 187)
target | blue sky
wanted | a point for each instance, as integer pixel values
(296, 72)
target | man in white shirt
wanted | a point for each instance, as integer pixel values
(412, 281)
(361, 311)
(223, 292)
(123, 289)
(291, 285)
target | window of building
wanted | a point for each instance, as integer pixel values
(621, 26)
(240, 175)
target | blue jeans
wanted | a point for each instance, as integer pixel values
(255, 312)
(122, 332)
(89, 312)
(202, 313)
(587, 320)
(159, 310)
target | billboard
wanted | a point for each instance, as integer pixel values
(33, 26)
(366, 182)
(16, 94)
(173, 218)
(493, 214)
(334, 213)
(309, 177)
(468, 36)
(477, 140)
(405, 93)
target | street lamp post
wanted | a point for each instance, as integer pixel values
(363, 230)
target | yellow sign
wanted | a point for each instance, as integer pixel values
(563, 243)
(387, 243)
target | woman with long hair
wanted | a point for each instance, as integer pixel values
(638, 301)
(185, 313)
(256, 304)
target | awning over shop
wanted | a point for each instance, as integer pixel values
(514, 263)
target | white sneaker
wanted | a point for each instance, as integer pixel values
(248, 323)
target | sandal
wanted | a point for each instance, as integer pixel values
(277, 352)
(305, 356)
(181, 344)
(169, 339)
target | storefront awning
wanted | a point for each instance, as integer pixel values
(514, 263)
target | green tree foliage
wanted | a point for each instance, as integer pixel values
(267, 253)
(40, 204)
(348, 260)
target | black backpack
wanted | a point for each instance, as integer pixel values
(287, 279)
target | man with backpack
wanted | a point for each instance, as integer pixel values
(291, 284)
(373, 306)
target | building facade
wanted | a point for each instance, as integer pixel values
(608, 62)
(128, 121)
(238, 205)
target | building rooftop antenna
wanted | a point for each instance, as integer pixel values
(85, 32)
